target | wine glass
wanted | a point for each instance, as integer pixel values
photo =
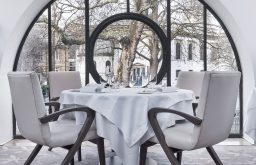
(152, 80)
(115, 82)
(102, 82)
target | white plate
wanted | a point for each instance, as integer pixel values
(146, 92)
(102, 92)
(74, 90)
(169, 91)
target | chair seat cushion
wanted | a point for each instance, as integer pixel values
(179, 136)
(65, 132)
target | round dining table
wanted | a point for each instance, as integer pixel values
(121, 114)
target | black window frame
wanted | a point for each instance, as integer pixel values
(166, 71)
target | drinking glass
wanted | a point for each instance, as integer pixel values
(102, 82)
(151, 81)
(115, 82)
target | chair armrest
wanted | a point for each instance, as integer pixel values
(82, 133)
(159, 133)
(54, 98)
(55, 115)
(154, 111)
(55, 104)
(194, 106)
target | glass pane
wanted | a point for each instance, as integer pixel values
(130, 50)
(187, 37)
(100, 10)
(34, 54)
(68, 36)
(155, 10)
(220, 57)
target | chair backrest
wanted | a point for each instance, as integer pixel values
(59, 81)
(190, 80)
(28, 105)
(216, 107)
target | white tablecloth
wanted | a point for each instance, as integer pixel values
(250, 121)
(122, 115)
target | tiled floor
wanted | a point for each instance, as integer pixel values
(231, 152)
(235, 141)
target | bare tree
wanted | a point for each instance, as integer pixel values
(127, 38)
(33, 56)
(133, 38)
(129, 46)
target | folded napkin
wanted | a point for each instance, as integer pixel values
(91, 88)
(146, 90)
(157, 87)
(168, 89)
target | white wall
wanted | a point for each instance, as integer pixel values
(16, 15)
(238, 17)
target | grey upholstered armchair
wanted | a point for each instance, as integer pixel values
(191, 80)
(59, 81)
(212, 124)
(40, 128)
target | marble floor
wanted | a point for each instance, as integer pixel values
(231, 152)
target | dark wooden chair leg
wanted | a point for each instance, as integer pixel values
(50, 109)
(101, 151)
(214, 155)
(161, 138)
(170, 155)
(79, 154)
(33, 154)
(84, 130)
(179, 156)
(72, 162)
(143, 153)
(194, 105)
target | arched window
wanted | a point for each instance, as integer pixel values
(190, 51)
(178, 50)
(63, 34)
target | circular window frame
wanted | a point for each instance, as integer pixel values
(128, 16)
